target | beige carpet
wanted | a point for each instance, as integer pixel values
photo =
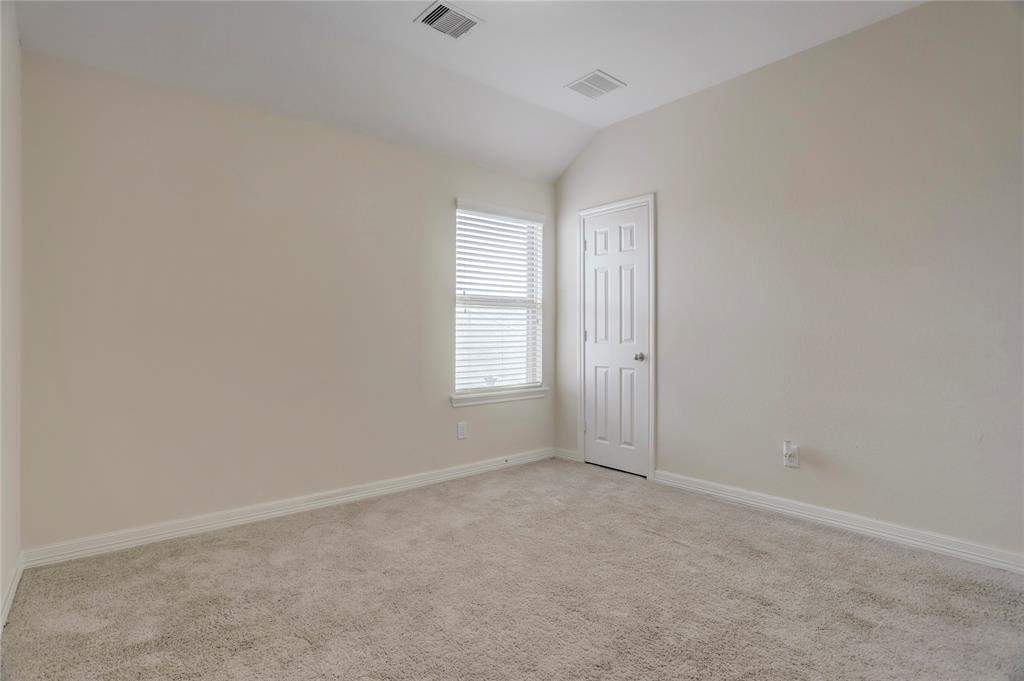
(546, 571)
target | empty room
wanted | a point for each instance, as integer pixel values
(512, 341)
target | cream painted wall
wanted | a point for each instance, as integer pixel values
(10, 298)
(839, 264)
(226, 307)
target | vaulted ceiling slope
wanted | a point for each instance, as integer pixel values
(495, 96)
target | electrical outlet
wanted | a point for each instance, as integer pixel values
(461, 430)
(790, 454)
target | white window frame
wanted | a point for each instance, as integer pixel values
(465, 398)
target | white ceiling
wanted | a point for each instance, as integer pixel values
(496, 96)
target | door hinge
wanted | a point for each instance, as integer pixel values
(584, 244)
(584, 335)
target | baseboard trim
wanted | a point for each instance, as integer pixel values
(931, 541)
(568, 455)
(12, 587)
(7, 598)
(129, 538)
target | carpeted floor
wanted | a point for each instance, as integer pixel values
(550, 571)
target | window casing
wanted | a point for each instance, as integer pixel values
(498, 305)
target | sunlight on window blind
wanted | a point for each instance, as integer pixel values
(498, 315)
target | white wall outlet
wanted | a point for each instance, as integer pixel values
(461, 430)
(790, 454)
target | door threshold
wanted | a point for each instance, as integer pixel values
(609, 468)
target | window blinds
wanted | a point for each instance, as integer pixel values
(498, 309)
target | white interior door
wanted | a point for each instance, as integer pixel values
(617, 344)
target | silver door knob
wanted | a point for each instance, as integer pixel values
(639, 356)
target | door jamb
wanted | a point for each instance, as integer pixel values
(652, 411)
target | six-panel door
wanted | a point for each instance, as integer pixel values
(616, 347)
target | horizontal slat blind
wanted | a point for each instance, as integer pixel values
(498, 302)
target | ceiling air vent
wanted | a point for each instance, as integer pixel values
(447, 19)
(596, 84)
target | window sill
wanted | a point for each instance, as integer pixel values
(471, 399)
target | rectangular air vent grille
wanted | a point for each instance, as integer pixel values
(447, 19)
(596, 84)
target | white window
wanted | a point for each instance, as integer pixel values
(498, 306)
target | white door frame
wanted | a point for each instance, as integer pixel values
(647, 200)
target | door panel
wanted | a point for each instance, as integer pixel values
(627, 408)
(601, 305)
(616, 376)
(627, 304)
(601, 404)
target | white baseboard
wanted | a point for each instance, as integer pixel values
(12, 587)
(124, 539)
(8, 598)
(931, 541)
(568, 455)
